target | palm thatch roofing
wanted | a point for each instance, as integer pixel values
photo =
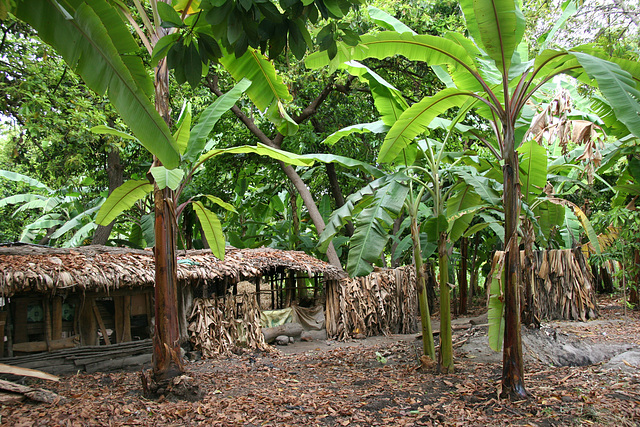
(29, 268)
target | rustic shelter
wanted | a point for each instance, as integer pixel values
(52, 298)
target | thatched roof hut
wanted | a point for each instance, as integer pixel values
(54, 298)
(28, 268)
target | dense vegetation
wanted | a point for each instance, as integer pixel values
(384, 191)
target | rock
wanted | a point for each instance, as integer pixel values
(282, 340)
(291, 340)
(320, 335)
(628, 361)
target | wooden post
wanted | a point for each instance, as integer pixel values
(20, 320)
(3, 322)
(48, 326)
(126, 317)
(119, 317)
(56, 318)
(87, 323)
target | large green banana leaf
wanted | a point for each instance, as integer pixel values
(267, 89)
(122, 198)
(96, 43)
(416, 119)
(533, 169)
(461, 207)
(210, 116)
(387, 99)
(372, 228)
(497, 26)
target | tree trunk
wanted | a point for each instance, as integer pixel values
(445, 358)
(428, 346)
(474, 289)
(314, 213)
(462, 275)
(114, 174)
(512, 362)
(633, 290)
(166, 349)
(334, 186)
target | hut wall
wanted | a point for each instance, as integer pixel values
(383, 302)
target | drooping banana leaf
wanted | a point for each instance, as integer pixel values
(618, 86)
(372, 227)
(212, 229)
(94, 40)
(122, 198)
(18, 177)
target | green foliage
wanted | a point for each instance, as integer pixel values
(98, 39)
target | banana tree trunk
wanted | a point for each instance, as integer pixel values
(512, 362)
(445, 358)
(166, 349)
(462, 275)
(428, 346)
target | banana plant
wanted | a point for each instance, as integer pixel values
(490, 73)
(66, 214)
(195, 150)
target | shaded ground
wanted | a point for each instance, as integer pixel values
(342, 384)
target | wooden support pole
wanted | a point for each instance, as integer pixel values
(126, 317)
(47, 323)
(3, 322)
(56, 318)
(118, 303)
(87, 323)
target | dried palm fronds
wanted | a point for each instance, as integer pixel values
(383, 302)
(562, 285)
(218, 328)
(30, 268)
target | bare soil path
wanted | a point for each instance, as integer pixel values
(348, 384)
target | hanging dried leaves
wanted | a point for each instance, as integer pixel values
(562, 284)
(379, 304)
(221, 326)
(103, 269)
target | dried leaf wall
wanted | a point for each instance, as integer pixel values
(381, 303)
(220, 326)
(561, 283)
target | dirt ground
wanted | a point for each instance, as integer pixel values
(378, 382)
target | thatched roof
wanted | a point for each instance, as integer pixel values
(29, 268)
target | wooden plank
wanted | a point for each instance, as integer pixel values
(26, 372)
(37, 394)
(56, 318)
(37, 346)
(96, 312)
